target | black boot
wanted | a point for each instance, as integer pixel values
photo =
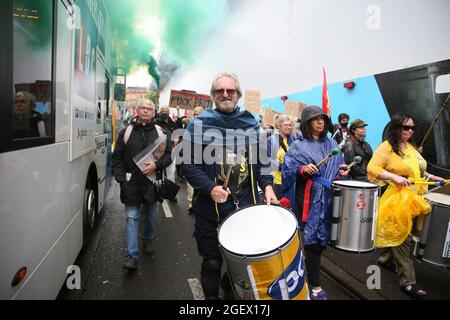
(210, 278)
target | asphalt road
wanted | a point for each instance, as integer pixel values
(171, 273)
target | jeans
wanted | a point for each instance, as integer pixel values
(132, 229)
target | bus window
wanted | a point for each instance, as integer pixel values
(32, 69)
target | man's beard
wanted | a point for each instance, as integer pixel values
(226, 105)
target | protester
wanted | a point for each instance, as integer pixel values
(339, 130)
(164, 121)
(397, 162)
(357, 146)
(312, 188)
(190, 191)
(278, 146)
(212, 202)
(136, 190)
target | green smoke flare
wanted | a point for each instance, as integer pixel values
(153, 71)
(188, 23)
(185, 25)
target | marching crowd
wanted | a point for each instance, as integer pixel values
(302, 163)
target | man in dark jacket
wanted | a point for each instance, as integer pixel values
(136, 189)
(212, 202)
(356, 146)
(339, 131)
(164, 121)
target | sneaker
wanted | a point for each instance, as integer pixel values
(131, 263)
(321, 295)
(148, 247)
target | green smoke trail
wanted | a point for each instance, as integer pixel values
(187, 23)
(153, 71)
(133, 48)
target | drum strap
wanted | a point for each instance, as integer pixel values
(235, 199)
(323, 181)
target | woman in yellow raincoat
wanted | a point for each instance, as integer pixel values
(397, 162)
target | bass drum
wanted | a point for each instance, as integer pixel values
(434, 243)
(262, 248)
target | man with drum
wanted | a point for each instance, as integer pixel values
(212, 202)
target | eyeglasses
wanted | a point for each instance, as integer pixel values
(221, 92)
(146, 109)
(407, 128)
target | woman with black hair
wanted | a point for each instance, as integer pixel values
(397, 162)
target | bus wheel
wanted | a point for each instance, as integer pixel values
(89, 214)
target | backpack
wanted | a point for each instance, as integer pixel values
(129, 129)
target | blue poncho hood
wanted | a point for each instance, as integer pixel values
(233, 128)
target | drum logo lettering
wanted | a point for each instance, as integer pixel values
(289, 284)
(361, 204)
(366, 220)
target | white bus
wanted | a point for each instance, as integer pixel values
(57, 103)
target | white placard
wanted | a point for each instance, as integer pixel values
(152, 153)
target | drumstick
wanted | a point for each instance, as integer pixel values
(230, 161)
(437, 183)
(334, 151)
(283, 202)
(356, 160)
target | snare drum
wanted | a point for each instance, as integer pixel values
(434, 244)
(355, 206)
(262, 248)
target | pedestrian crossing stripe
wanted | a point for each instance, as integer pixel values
(166, 209)
(196, 288)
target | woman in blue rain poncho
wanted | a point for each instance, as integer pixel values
(312, 188)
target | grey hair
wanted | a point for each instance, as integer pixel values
(31, 98)
(282, 118)
(147, 102)
(227, 75)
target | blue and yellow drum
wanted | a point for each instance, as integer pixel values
(262, 248)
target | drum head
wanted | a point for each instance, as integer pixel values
(257, 230)
(355, 184)
(438, 198)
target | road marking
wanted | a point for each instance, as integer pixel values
(166, 209)
(196, 289)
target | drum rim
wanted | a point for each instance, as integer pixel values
(434, 201)
(373, 186)
(263, 253)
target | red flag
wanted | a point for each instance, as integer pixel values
(326, 106)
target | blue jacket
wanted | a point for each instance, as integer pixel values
(319, 198)
(204, 177)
